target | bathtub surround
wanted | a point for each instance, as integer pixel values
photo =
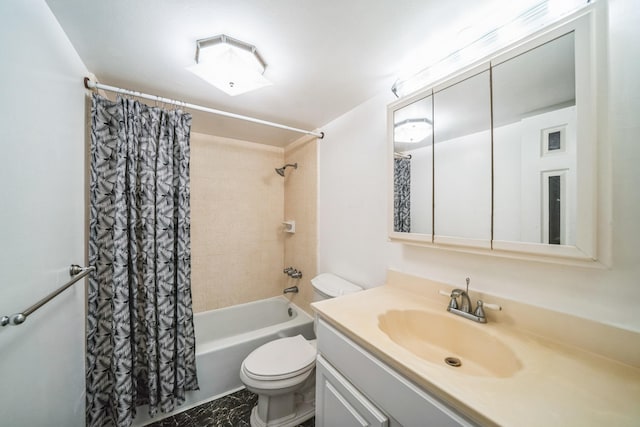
(300, 204)
(237, 207)
(238, 204)
(139, 311)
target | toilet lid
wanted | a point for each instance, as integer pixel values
(280, 359)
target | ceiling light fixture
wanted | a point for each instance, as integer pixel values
(412, 130)
(231, 65)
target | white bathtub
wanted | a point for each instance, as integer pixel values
(224, 337)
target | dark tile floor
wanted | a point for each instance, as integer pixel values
(232, 410)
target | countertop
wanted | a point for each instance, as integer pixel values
(557, 385)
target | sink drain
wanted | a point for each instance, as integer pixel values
(453, 361)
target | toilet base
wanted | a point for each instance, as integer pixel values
(304, 411)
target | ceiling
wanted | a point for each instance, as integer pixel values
(324, 57)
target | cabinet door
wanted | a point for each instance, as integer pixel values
(338, 403)
(399, 398)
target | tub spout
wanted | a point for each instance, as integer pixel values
(292, 289)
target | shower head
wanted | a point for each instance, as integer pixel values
(280, 171)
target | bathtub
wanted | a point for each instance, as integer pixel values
(224, 337)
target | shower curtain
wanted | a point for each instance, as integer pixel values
(402, 195)
(140, 336)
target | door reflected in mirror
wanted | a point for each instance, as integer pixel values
(534, 110)
(412, 168)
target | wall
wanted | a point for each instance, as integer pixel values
(42, 220)
(300, 195)
(237, 206)
(353, 205)
(352, 194)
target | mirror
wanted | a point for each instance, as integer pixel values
(462, 160)
(510, 164)
(534, 110)
(412, 167)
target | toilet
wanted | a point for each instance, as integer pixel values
(282, 372)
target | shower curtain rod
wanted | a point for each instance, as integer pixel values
(90, 84)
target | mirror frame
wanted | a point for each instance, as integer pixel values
(583, 26)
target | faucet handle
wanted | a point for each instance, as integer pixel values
(495, 307)
(479, 311)
(453, 302)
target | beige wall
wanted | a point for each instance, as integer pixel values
(300, 204)
(237, 206)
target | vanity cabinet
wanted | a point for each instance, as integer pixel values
(339, 403)
(355, 388)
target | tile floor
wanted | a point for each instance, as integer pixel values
(232, 410)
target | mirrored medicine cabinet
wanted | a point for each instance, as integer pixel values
(501, 157)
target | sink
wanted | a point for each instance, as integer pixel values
(434, 337)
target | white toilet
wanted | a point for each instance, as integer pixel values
(282, 372)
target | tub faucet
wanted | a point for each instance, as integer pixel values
(292, 290)
(293, 273)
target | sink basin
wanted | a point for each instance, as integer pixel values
(434, 337)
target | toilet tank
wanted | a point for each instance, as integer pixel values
(327, 285)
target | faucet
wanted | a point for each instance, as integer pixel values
(291, 290)
(293, 273)
(464, 308)
(465, 301)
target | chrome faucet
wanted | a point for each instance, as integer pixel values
(291, 290)
(293, 273)
(464, 308)
(465, 301)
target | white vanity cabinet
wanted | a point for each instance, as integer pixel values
(354, 388)
(338, 403)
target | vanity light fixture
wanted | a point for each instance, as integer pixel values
(502, 30)
(231, 65)
(412, 130)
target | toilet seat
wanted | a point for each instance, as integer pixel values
(281, 359)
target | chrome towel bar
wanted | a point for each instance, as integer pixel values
(75, 271)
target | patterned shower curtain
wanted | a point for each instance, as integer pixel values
(402, 195)
(140, 336)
